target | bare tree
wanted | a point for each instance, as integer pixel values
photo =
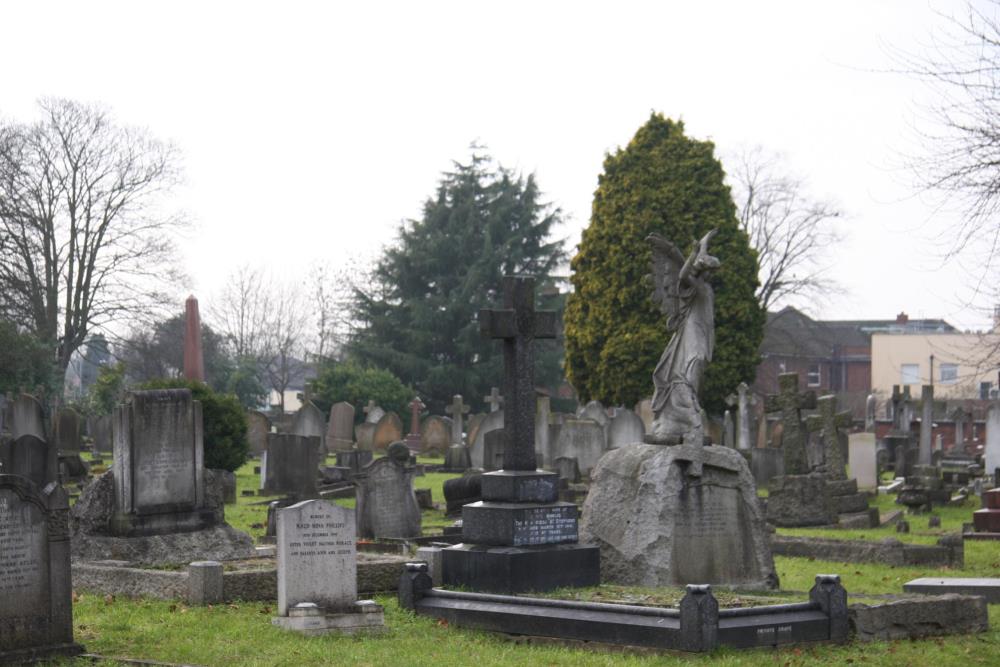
(331, 299)
(791, 231)
(241, 312)
(83, 240)
(960, 127)
(286, 326)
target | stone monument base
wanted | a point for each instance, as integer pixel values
(851, 505)
(669, 516)
(309, 619)
(800, 500)
(40, 653)
(510, 570)
(220, 543)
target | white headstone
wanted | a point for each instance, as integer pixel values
(317, 556)
(862, 460)
(626, 428)
(582, 439)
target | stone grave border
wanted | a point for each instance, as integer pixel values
(948, 552)
(206, 582)
(697, 625)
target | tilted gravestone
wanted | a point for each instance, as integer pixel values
(309, 421)
(36, 606)
(386, 504)
(340, 430)
(159, 464)
(292, 465)
(258, 428)
(473, 428)
(317, 564)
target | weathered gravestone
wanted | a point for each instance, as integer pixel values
(29, 457)
(435, 434)
(626, 428)
(495, 400)
(386, 504)
(457, 458)
(543, 431)
(596, 411)
(477, 445)
(27, 417)
(292, 465)
(728, 430)
(926, 423)
(340, 429)
(67, 431)
(309, 422)
(36, 606)
(318, 569)
(582, 439)
(519, 537)
(258, 428)
(158, 504)
(494, 444)
(413, 439)
(364, 433)
(644, 409)
(100, 433)
(766, 463)
(568, 469)
(388, 430)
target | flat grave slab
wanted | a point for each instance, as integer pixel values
(986, 587)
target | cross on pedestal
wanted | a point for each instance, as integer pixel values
(789, 401)
(518, 324)
(412, 439)
(494, 399)
(829, 422)
(457, 410)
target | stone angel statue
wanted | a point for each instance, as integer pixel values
(682, 290)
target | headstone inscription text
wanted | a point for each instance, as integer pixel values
(546, 526)
(23, 549)
(317, 556)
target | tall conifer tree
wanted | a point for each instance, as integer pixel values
(668, 183)
(418, 317)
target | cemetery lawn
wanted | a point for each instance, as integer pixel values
(242, 634)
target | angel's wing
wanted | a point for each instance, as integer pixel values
(667, 263)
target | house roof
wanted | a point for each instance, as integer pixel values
(790, 332)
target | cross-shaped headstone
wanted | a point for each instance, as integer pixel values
(828, 422)
(416, 405)
(789, 401)
(457, 410)
(518, 324)
(368, 408)
(494, 399)
(742, 399)
(901, 416)
(958, 416)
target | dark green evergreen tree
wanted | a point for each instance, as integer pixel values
(668, 183)
(418, 316)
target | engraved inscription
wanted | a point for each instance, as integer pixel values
(776, 634)
(321, 537)
(546, 526)
(23, 555)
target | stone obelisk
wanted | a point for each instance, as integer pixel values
(194, 362)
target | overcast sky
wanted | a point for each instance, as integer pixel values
(310, 130)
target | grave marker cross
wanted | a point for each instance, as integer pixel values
(789, 401)
(457, 410)
(518, 325)
(494, 399)
(829, 422)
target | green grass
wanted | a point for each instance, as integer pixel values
(241, 634)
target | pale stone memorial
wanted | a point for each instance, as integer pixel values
(309, 421)
(862, 460)
(317, 572)
(626, 428)
(258, 427)
(340, 430)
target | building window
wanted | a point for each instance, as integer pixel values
(984, 390)
(949, 373)
(910, 374)
(813, 376)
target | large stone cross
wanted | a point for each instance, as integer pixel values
(829, 422)
(901, 416)
(457, 410)
(494, 399)
(518, 324)
(416, 406)
(789, 401)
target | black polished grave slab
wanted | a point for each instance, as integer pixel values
(521, 486)
(521, 569)
(520, 524)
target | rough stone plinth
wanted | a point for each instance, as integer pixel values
(656, 525)
(800, 500)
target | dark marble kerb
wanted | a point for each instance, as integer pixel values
(518, 324)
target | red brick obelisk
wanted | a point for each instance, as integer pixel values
(194, 362)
